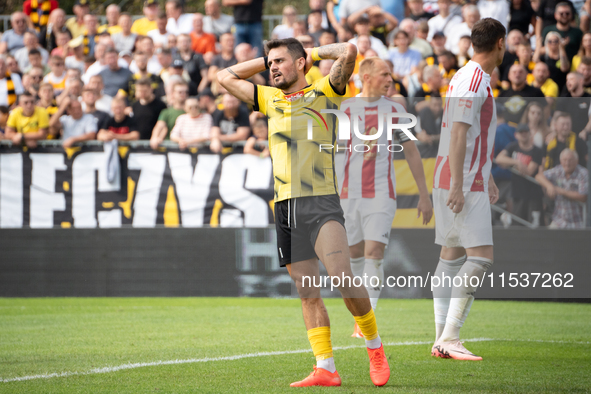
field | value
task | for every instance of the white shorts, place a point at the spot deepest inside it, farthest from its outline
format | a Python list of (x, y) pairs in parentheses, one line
[(368, 219), (468, 229)]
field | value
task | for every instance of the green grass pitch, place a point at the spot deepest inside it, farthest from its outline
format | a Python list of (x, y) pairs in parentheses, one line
[(527, 346)]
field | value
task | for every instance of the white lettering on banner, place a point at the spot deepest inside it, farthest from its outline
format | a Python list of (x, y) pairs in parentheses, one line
[(84, 168), (241, 172), (192, 187), (44, 199), (145, 205), (11, 190)]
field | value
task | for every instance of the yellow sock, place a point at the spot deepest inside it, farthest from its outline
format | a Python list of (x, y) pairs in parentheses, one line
[(319, 338), (367, 324)]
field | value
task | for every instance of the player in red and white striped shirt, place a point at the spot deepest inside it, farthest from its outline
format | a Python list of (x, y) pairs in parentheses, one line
[(463, 187), (367, 192)]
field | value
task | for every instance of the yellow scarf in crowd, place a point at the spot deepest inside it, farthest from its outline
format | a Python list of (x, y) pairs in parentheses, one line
[(45, 8), (10, 89)]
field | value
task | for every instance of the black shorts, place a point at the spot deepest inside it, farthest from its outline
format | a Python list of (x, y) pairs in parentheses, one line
[(298, 222)]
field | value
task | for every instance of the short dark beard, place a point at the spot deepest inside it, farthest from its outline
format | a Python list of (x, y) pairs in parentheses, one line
[(286, 84)]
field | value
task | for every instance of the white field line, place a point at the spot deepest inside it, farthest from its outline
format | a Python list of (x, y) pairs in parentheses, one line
[(248, 355)]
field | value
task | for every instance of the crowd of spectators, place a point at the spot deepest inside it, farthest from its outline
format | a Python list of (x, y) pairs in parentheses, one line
[(154, 78)]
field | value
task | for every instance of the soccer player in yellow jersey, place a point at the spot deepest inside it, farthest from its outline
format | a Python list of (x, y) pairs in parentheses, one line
[(308, 216)]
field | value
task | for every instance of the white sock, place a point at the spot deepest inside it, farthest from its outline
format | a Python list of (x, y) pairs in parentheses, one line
[(442, 295), (374, 343), (463, 297), (374, 268), (357, 266), (327, 363)]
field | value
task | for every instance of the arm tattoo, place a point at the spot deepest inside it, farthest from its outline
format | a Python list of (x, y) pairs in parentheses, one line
[(332, 51), (232, 72)]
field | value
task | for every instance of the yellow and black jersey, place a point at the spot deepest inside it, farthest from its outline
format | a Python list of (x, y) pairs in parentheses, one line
[(302, 167)]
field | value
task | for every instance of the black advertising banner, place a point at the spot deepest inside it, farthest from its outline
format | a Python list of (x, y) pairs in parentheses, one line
[(84, 187)]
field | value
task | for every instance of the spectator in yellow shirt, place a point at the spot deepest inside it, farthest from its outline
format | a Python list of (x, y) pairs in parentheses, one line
[(543, 82), (144, 25), (76, 24), (28, 123), (113, 13)]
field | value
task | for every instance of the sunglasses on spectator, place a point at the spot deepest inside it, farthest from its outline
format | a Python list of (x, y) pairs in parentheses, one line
[(552, 41)]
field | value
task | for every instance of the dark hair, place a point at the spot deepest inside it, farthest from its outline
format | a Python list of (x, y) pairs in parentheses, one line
[(89, 59), (399, 32), (144, 81), (162, 14), (486, 33), (448, 54), (34, 51), (586, 60), (111, 50), (3, 109), (25, 94), (294, 47)]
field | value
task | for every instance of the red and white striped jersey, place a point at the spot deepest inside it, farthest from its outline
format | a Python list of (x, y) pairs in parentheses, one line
[(368, 170), (469, 100)]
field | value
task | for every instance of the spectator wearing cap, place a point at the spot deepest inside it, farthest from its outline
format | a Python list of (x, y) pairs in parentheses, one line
[(113, 12), (27, 123), (178, 22), (568, 184), (417, 11), (519, 94), (146, 108), (48, 33), (14, 39), (564, 16), (207, 101), (193, 62), (214, 21), (362, 27), (230, 124), (202, 42), (176, 69), (523, 156), (193, 127), (74, 127), (39, 11), (225, 58), (144, 25), (248, 22), (564, 138), (22, 55), (416, 43), (159, 35), (125, 41), (445, 21), (10, 84), (114, 77), (76, 60), (167, 118), (76, 25), (141, 62)]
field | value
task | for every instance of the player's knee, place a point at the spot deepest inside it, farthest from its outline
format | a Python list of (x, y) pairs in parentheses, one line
[(478, 264), (450, 264)]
